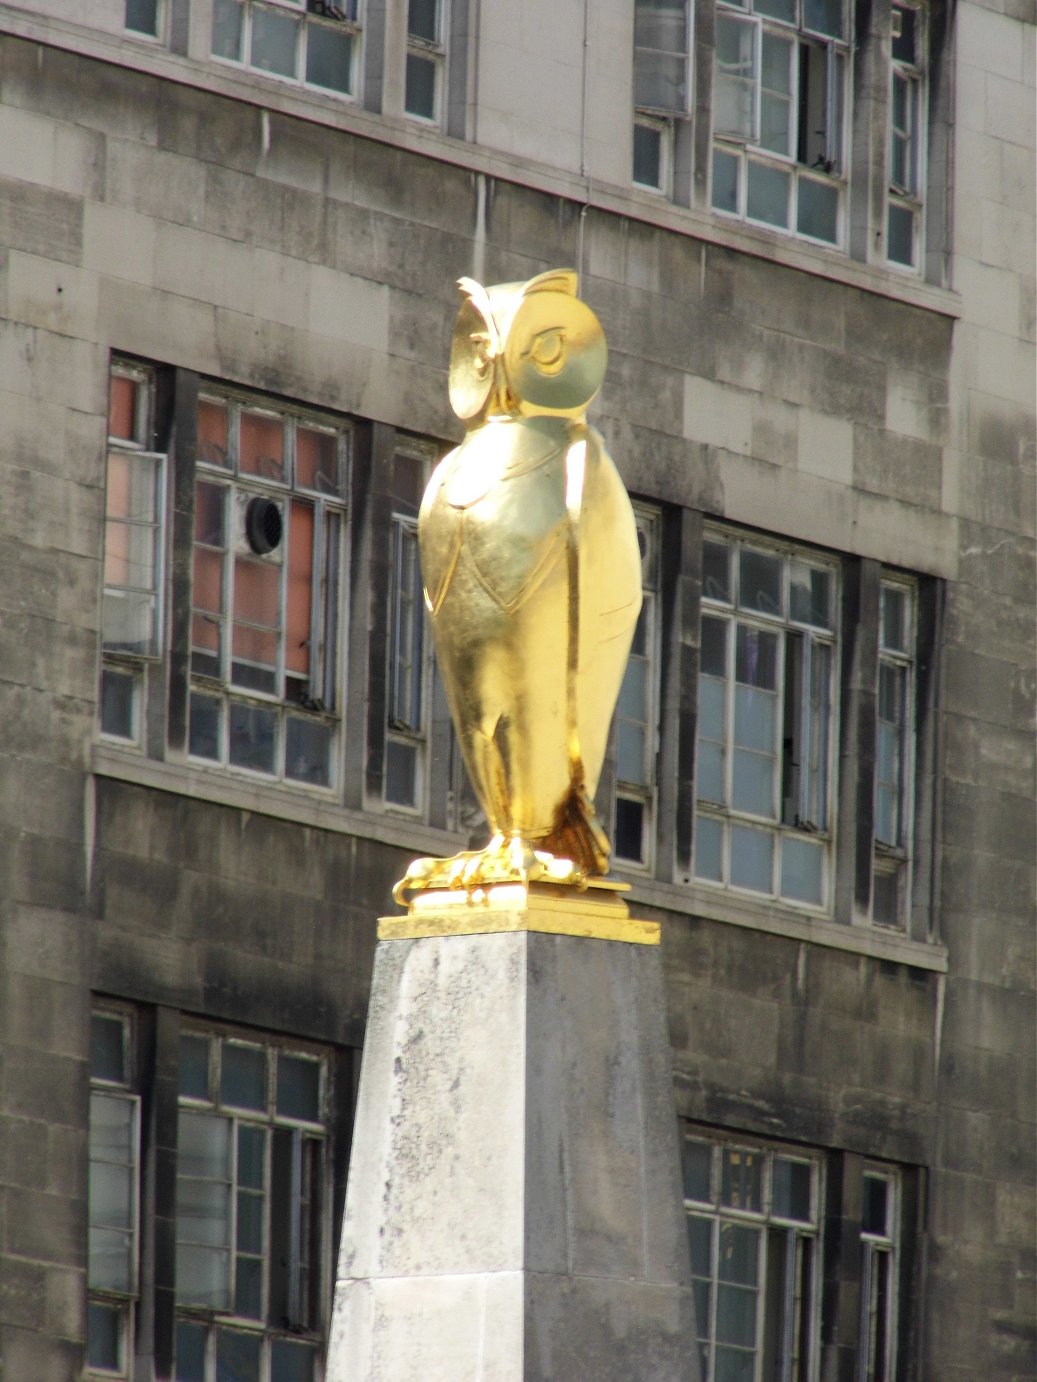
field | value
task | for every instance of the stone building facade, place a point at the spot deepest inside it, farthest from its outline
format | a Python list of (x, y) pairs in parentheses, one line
[(229, 235)]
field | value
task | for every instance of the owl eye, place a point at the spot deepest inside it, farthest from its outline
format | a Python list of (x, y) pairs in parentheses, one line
[(547, 350)]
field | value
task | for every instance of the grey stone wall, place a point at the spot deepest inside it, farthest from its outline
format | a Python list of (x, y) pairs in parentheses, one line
[(817, 400)]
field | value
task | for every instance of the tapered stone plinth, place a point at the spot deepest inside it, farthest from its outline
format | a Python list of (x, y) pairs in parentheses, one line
[(514, 1203)]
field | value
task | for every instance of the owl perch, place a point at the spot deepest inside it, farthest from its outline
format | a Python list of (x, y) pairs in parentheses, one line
[(532, 578)]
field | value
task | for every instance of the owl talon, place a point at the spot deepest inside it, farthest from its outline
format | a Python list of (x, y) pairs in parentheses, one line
[(503, 860)]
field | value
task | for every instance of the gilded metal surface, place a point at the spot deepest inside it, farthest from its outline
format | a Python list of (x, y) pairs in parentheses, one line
[(532, 578), (595, 914)]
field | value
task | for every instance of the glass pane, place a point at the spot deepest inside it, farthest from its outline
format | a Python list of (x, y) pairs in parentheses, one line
[(204, 738), (776, 94), (739, 1257), (777, 9), (698, 1157), (128, 621), (142, 16), (628, 840), (900, 236), (735, 77), (203, 1148), (751, 858), (810, 595), (243, 1076), (209, 521), (423, 19), (741, 1183), (203, 1212), (755, 719), (630, 752), (660, 81), (308, 751), (290, 1361), (710, 772), (420, 98), (647, 156), (251, 1156), (203, 1276), (110, 1265), (253, 737), (759, 582), (298, 1087), (117, 703), (190, 1352), (703, 1293), (401, 773), (824, 17), (885, 897), (756, 658), (262, 437), (632, 693), (226, 29), (791, 1197), (752, 783), (211, 442), (249, 1237), (237, 1356), (875, 1207), (104, 1336), (111, 1196), (709, 848), (700, 1239), (316, 459), (329, 59), (894, 619), (801, 870), (734, 1365), (767, 195), (248, 1284), (818, 214), (112, 1127), (273, 50), (711, 708), (122, 407), (716, 571), (713, 654), (194, 1066), (107, 1048), (736, 1315), (725, 185), (131, 490)]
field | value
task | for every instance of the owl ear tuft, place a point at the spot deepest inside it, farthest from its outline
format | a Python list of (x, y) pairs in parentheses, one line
[(554, 281)]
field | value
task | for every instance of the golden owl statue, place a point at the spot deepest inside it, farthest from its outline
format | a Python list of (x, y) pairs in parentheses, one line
[(532, 578)]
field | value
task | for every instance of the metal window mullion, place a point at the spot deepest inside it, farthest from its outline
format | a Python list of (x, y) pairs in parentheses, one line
[(318, 579), (295, 1228), (233, 1244)]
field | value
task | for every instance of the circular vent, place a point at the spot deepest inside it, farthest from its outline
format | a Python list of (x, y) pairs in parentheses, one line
[(263, 526)]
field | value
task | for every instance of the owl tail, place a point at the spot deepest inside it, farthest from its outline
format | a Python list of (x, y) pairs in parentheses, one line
[(579, 835)]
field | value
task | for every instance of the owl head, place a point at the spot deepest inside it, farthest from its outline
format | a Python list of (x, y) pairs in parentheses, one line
[(525, 348)]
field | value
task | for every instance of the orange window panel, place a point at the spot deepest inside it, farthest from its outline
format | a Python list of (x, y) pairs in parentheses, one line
[(209, 502), (122, 407), (255, 645), (257, 593), (212, 433), (208, 580), (316, 460), (300, 587), (120, 485), (261, 445), (205, 633), (117, 554)]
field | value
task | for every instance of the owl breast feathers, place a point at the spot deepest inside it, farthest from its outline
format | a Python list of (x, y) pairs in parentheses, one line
[(531, 566)]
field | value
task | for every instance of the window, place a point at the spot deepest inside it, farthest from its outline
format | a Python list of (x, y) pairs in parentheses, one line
[(311, 41), (267, 567), (879, 1235), (904, 215), (753, 1229), (133, 553), (765, 720), (661, 86), (893, 757), (113, 1196), (142, 17), (250, 1221), (779, 96), (407, 673), (636, 714), (425, 59)]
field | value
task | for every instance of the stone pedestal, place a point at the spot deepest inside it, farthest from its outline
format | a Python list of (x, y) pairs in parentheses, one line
[(514, 1203)]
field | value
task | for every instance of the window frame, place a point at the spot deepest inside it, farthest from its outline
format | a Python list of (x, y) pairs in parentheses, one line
[(896, 858), (212, 1319), (407, 734), (784, 628), (122, 661), (744, 148), (769, 1224), (320, 691), (345, 20), (433, 51), (898, 196), (661, 120), (122, 1302), (875, 1246)]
